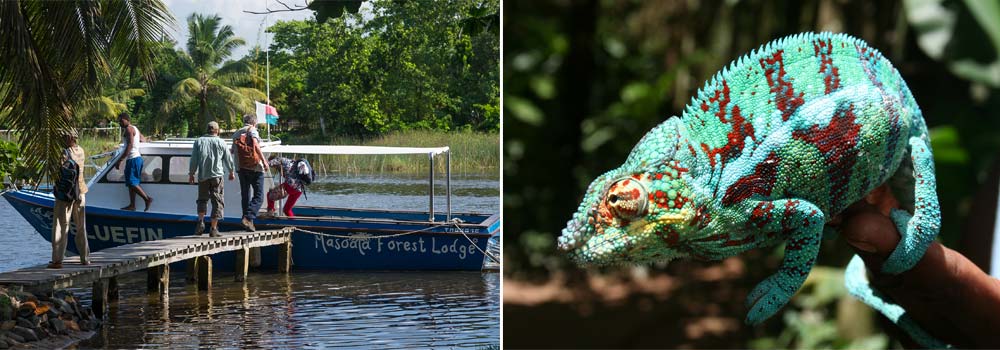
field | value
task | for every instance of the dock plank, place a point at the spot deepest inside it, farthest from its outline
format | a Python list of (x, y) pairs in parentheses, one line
[(137, 256)]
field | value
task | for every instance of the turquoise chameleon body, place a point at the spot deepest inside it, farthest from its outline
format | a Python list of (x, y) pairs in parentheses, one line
[(768, 152)]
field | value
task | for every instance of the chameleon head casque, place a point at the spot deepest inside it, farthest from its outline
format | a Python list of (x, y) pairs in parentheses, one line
[(640, 212), (769, 150)]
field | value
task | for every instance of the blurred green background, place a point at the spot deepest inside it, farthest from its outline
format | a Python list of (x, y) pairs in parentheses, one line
[(585, 79)]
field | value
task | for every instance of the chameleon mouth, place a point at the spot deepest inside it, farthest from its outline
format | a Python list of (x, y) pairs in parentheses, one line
[(570, 238)]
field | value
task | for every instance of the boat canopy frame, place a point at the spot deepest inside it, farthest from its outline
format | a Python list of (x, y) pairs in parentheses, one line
[(379, 150)]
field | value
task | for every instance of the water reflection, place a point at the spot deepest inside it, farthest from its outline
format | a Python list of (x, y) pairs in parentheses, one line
[(310, 309)]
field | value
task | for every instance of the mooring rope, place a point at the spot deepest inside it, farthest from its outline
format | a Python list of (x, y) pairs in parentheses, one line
[(365, 235)]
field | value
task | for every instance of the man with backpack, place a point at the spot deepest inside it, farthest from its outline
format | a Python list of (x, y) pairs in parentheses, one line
[(251, 164), (297, 174), (70, 200)]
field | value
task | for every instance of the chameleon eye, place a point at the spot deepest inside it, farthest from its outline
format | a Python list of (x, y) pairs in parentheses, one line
[(626, 199)]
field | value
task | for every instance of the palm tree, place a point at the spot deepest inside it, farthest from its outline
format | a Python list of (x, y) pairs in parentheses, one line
[(218, 85), (54, 54), (104, 108)]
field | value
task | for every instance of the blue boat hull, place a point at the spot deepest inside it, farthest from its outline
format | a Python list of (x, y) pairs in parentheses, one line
[(365, 239)]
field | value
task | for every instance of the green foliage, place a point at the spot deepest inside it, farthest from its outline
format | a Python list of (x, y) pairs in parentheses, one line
[(218, 87), (9, 161), (410, 66), (55, 54)]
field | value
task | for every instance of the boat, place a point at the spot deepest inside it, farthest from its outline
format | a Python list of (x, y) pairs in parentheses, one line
[(325, 237)]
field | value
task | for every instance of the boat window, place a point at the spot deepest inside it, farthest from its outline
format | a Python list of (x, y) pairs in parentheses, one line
[(179, 169), (152, 170)]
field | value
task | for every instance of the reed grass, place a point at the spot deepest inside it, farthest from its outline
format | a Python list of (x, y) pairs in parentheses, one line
[(471, 153)]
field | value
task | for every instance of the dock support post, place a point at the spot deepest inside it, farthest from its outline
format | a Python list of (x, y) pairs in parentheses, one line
[(99, 296), (113, 288), (255, 257), (242, 264), (285, 257), (191, 270), (158, 279), (204, 272)]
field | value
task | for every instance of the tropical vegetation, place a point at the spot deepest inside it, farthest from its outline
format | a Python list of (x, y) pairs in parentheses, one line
[(217, 85), (358, 73), (55, 55)]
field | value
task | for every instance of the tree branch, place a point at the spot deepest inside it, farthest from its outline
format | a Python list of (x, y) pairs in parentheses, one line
[(268, 10)]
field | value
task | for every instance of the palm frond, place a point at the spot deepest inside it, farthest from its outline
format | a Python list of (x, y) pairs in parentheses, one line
[(184, 91), (134, 28), (54, 54)]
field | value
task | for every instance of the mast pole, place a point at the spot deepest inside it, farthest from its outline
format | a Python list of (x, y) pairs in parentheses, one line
[(267, 73)]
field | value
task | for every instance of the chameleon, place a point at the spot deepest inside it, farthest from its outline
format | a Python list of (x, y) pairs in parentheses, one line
[(768, 152)]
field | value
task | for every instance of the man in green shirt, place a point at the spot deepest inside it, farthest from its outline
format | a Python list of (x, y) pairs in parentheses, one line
[(210, 159)]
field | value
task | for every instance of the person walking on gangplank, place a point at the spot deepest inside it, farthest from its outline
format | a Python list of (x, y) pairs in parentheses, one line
[(252, 165), (210, 159)]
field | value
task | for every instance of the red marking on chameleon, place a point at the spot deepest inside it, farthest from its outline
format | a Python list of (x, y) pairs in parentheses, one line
[(659, 176), (738, 243), (671, 238), (736, 137), (701, 217), (722, 97), (634, 194), (838, 143), (704, 107), (679, 168), (785, 97), (760, 182), (761, 214), (831, 78)]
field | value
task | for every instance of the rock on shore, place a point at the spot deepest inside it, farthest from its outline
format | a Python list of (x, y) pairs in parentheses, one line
[(26, 318)]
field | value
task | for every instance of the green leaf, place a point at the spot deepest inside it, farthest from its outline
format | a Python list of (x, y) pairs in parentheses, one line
[(946, 145), (524, 110)]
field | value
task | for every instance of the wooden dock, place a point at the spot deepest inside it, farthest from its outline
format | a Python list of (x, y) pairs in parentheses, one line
[(155, 256)]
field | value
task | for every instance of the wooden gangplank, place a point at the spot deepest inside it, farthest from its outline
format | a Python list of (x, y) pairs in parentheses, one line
[(107, 264)]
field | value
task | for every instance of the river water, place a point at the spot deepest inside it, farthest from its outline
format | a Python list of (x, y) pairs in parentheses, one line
[(305, 309)]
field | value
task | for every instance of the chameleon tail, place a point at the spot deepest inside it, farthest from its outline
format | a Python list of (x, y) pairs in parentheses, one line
[(856, 282)]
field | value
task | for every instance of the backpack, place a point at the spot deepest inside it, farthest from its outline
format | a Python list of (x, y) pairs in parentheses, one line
[(67, 188), (303, 171), (246, 155)]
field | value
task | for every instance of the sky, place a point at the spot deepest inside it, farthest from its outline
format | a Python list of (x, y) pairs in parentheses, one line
[(245, 25)]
